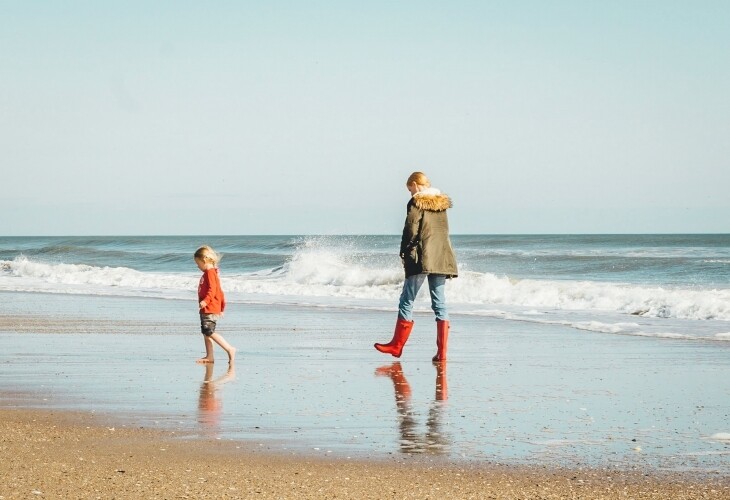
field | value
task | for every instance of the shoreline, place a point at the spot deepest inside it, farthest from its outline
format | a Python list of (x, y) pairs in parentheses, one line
[(51, 453)]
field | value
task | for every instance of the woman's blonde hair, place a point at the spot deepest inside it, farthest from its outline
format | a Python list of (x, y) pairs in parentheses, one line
[(419, 178), (207, 254)]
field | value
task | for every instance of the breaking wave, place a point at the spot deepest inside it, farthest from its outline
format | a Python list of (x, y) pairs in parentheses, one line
[(328, 273)]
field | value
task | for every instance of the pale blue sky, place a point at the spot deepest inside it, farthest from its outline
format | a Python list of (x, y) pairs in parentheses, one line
[(307, 117)]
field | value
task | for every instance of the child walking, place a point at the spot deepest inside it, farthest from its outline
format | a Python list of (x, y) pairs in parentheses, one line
[(212, 303)]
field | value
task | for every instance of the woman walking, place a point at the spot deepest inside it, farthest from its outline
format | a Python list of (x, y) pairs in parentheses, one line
[(427, 254)]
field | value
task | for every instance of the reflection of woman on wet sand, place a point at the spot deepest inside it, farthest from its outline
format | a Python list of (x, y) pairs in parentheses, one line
[(433, 441), (209, 404)]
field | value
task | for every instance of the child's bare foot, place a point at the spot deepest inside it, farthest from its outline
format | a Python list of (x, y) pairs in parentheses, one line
[(205, 361), (231, 355)]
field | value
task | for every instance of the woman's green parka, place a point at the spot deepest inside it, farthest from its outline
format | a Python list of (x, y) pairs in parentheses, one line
[(425, 246)]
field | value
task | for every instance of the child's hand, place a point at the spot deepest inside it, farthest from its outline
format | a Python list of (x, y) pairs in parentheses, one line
[(203, 304)]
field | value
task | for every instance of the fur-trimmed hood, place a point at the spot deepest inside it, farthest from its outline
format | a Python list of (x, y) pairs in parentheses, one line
[(432, 199)]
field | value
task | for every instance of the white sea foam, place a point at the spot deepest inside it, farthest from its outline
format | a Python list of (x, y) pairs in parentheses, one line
[(326, 267), (324, 273), (618, 328), (479, 288), (721, 436), (597, 326), (31, 273)]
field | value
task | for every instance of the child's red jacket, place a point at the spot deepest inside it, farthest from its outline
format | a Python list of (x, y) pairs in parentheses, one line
[(210, 291)]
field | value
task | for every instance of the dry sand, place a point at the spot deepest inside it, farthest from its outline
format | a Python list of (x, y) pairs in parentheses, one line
[(55, 454)]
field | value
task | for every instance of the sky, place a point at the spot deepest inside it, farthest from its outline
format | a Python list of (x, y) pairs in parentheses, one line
[(290, 117)]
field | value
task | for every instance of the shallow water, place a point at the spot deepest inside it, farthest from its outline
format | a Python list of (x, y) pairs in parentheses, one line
[(307, 381)]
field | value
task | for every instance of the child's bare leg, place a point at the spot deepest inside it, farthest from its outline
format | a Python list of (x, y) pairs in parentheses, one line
[(208, 351), (230, 350)]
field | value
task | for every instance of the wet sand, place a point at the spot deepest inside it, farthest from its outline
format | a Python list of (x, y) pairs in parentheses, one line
[(108, 402), (50, 454)]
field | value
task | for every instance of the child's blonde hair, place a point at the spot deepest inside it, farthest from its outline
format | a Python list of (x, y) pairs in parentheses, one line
[(419, 178), (207, 254)]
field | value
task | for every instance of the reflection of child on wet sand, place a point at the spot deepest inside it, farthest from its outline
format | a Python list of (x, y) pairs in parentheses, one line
[(209, 406), (212, 302)]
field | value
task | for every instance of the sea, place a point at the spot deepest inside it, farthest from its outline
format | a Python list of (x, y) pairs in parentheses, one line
[(663, 286)]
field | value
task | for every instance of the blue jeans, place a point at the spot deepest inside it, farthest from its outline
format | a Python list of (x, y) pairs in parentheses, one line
[(436, 285)]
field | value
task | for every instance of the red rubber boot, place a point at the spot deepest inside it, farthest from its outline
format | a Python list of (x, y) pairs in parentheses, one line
[(400, 337), (442, 339)]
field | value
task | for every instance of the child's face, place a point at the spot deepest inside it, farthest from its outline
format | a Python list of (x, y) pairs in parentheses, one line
[(202, 265)]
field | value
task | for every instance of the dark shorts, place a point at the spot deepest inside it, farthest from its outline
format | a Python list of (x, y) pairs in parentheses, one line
[(207, 323)]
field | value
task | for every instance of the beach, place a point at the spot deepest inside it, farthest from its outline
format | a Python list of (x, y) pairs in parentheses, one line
[(49, 454), (312, 411)]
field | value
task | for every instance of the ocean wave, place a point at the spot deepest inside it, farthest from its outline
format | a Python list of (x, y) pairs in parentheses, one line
[(681, 303), (330, 268), (318, 272), (82, 274)]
